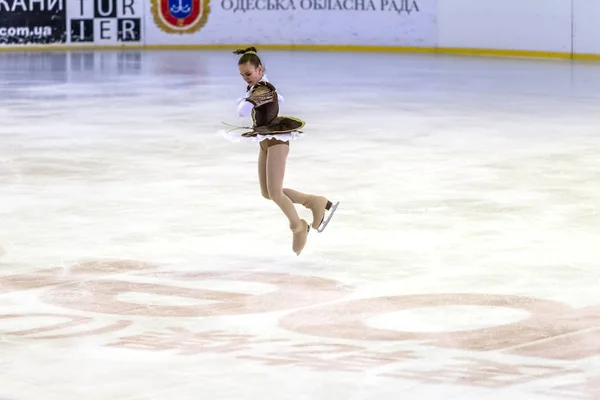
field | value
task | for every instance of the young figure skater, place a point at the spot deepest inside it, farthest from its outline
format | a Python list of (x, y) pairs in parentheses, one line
[(274, 134)]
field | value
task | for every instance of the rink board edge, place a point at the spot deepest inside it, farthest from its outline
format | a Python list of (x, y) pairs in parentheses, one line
[(309, 47)]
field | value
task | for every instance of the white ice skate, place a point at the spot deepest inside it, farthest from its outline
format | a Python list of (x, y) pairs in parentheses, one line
[(325, 222)]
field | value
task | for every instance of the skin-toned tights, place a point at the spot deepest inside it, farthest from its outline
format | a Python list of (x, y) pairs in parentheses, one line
[(272, 159)]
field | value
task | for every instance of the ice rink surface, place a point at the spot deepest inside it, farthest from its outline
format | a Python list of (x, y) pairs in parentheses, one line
[(138, 259)]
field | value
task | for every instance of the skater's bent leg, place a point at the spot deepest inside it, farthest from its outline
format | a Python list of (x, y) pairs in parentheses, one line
[(276, 160), (262, 171), (317, 204), (295, 196)]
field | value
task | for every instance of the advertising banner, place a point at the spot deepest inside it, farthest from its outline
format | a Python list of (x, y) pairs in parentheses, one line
[(218, 22), (106, 22), (32, 22), (319, 22)]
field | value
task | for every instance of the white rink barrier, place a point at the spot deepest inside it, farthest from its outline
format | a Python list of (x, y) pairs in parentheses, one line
[(546, 28)]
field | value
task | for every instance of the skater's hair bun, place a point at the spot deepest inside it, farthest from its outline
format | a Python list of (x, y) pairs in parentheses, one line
[(249, 55), (250, 50)]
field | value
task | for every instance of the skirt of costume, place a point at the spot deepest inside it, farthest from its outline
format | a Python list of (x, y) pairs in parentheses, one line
[(281, 128)]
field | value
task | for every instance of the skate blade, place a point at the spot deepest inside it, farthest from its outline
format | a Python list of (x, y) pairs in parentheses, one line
[(326, 222)]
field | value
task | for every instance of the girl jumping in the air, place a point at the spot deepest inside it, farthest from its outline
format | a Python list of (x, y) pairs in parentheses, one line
[(274, 134)]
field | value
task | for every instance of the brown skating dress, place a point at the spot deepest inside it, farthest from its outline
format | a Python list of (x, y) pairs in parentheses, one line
[(267, 124)]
